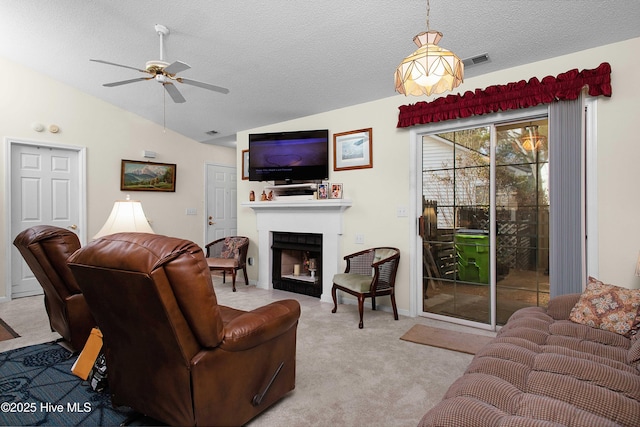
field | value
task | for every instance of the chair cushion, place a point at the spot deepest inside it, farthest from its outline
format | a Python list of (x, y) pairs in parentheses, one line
[(231, 247), (355, 282), (383, 253), (222, 262)]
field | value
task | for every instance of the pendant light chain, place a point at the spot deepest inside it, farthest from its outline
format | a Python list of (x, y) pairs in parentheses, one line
[(428, 10), (164, 110)]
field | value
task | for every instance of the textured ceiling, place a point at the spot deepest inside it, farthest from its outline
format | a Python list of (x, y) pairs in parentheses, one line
[(283, 59)]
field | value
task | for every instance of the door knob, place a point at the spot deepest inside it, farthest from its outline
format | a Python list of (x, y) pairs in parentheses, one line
[(211, 222), (73, 227)]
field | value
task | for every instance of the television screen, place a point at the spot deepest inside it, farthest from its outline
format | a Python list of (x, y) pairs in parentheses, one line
[(289, 156)]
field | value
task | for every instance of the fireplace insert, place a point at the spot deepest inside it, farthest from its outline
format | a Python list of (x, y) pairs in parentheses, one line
[(297, 263)]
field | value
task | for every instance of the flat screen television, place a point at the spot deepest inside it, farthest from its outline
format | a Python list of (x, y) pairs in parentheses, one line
[(289, 157)]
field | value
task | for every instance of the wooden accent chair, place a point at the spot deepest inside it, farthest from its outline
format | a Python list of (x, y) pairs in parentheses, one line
[(45, 249), (173, 353), (369, 274), (229, 254)]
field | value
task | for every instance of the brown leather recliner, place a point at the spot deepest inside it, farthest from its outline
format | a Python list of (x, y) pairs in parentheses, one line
[(172, 352), (45, 249)]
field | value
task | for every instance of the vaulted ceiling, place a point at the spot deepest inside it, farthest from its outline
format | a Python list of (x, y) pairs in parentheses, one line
[(284, 59)]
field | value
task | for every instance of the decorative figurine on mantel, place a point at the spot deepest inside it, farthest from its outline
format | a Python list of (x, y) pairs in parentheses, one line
[(263, 196), (252, 196)]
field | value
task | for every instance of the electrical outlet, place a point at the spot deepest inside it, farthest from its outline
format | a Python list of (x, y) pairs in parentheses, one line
[(360, 239), (401, 211), (250, 260), (192, 211)]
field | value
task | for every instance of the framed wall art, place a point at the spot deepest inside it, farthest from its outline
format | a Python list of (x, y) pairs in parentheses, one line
[(353, 150), (147, 176), (245, 164)]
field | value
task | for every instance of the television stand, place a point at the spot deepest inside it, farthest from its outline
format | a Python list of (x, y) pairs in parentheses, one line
[(293, 191)]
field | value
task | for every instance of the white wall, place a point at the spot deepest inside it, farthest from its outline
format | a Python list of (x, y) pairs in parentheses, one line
[(110, 134), (377, 192)]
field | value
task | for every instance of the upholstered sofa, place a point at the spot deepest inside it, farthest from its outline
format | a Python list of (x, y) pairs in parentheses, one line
[(545, 369)]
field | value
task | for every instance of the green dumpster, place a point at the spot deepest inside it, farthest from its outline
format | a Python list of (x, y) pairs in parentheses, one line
[(472, 253)]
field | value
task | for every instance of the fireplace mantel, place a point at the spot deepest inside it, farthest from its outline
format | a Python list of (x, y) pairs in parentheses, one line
[(300, 216), (306, 205)]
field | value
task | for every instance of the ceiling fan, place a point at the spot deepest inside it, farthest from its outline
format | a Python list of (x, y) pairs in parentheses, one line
[(164, 72)]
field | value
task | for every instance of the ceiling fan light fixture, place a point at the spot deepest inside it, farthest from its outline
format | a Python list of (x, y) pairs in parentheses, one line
[(163, 72), (156, 66), (431, 69)]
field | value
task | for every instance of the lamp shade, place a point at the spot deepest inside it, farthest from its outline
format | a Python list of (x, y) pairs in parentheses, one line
[(430, 69), (126, 216)]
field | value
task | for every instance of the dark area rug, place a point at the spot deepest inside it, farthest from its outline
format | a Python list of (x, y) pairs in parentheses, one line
[(38, 388), (444, 338), (6, 332)]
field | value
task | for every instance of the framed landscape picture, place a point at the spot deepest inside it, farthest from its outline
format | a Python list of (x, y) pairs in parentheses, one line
[(147, 176), (353, 150)]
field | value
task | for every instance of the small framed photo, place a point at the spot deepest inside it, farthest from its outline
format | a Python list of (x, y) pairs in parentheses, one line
[(336, 191), (353, 150), (245, 164), (147, 176), (323, 191)]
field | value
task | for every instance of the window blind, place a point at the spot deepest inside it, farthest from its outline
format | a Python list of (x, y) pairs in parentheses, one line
[(567, 196)]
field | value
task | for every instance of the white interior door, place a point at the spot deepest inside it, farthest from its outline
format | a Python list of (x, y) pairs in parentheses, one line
[(222, 202), (46, 188)]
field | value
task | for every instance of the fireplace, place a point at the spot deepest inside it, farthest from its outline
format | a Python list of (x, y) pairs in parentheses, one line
[(323, 217), (297, 263)]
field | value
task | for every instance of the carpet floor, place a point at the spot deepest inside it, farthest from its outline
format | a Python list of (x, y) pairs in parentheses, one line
[(345, 376), (38, 388), (6, 332), (444, 338)]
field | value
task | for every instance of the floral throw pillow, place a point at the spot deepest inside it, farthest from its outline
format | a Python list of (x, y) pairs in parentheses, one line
[(231, 248), (608, 307)]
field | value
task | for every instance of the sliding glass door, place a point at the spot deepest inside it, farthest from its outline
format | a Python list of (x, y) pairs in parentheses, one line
[(484, 224)]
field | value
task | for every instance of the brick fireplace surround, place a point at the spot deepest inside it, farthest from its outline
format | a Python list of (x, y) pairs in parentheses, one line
[(300, 216)]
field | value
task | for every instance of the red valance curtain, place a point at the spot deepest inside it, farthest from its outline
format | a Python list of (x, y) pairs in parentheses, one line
[(512, 96)]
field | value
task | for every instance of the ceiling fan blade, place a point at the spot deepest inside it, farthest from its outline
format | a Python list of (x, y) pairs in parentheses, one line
[(118, 65), (174, 93), (203, 85), (124, 82), (176, 67)]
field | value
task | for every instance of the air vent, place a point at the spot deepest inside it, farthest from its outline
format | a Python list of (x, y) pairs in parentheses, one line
[(211, 132), (476, 60)]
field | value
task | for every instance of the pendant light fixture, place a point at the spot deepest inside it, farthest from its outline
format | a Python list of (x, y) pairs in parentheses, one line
[(431, 68), (532, 140)]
